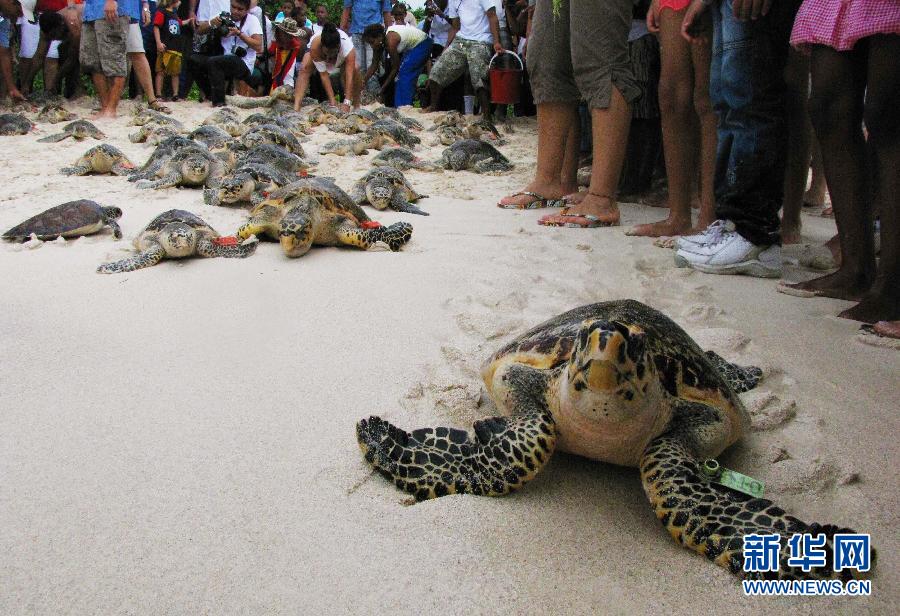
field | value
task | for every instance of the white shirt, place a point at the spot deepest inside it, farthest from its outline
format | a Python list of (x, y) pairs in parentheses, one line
[(230, 43), (410, 36), (270, 34), (346, 48), (440, 30), (316, 30), (207, 9), (473, 22)]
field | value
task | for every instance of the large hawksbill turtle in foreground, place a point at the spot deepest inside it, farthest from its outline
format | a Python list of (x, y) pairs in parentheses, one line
[(617, 382)]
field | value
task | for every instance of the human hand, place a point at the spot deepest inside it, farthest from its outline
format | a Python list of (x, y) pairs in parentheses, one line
[(498, 48), (750, 9), (160, 48), (692, 25), (215, 21), (15, 95), (653, 17), (234, 32), (111, 10), (145, 17), (345, 107)]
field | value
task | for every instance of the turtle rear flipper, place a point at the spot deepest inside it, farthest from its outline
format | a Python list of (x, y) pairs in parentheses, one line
[(395, 235), (209, 248), (54, 138), (400, 204), (741, 378), (146, 258), (165, 182), (709, 518), (503, 454), (122, 168)]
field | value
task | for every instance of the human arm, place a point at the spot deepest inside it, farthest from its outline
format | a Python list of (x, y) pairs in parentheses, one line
[(392, 40), (373, 67), (494, 22), (145, 13), (192, 14), (253, 41), (159, 44), (692, 24), (653, 17), (6, 72), (306, 70), (454, 28), (349, 72), (111, 10), (345, 16)]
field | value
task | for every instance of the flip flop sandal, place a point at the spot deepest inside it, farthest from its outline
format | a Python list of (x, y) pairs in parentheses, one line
[(869, 335), (578, 221), (784, 288), (539, 202), (155, 105)]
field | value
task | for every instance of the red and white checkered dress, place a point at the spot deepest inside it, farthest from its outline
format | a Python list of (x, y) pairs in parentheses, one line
[(840, 23)]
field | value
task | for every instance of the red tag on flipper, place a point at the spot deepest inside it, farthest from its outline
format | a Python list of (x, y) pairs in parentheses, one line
[(369, 224), (228, 240)]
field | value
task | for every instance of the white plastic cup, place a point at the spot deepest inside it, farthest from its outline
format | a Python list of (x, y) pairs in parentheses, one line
[(469, 104)]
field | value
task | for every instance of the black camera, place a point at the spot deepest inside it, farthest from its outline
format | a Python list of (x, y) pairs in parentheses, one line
[(240, 52), (226, 23)]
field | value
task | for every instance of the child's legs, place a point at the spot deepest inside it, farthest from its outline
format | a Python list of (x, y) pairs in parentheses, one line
[(836, 110), (158, 83), (175, 81), (880, 114)]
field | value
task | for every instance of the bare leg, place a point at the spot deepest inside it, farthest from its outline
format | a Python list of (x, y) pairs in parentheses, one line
[(836, 109), (882, 302), (815, 196), (610, 132), (158, 84), (175, 83), (798, 153), (142, 74), (557, 153), (681, 127), (484, 99), (435, 97), (113, 92), (51, 75)]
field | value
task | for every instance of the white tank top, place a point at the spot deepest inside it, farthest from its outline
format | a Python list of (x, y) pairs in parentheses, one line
[(410, 36)]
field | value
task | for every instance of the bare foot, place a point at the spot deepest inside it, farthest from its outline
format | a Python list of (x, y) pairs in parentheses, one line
[(574, 198), (602, 209), (549, 191), (889, 329), (839, 285), (664, 228), (881, 303), (828, 212)]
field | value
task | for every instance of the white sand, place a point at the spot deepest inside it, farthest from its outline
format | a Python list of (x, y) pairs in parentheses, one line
[(181, 439)]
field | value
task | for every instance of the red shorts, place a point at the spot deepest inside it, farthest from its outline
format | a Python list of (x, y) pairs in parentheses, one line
[(675, 5)]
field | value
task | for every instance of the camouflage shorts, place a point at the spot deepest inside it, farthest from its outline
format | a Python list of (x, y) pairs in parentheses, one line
[(460, 54), (103, 47)]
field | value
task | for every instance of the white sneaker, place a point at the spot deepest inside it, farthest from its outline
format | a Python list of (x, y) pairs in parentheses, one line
[(733, 255), (711, 235)]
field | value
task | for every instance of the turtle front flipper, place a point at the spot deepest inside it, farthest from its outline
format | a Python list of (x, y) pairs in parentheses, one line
[(77, 169), (741, 378), (53, 138), (709, 518), (400, 204), (116, 229), (503, 454), (167, 181), (209, 248), (146, 258)]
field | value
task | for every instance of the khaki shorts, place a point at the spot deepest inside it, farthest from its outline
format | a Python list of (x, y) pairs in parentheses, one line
[(103, 47), (169, 62), (463, 53), (581, 53), (135, 41)]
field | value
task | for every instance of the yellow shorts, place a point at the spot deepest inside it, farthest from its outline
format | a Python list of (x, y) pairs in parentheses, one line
[(169, 62)]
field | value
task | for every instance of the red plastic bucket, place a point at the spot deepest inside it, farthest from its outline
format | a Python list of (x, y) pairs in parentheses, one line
[(505, 82)]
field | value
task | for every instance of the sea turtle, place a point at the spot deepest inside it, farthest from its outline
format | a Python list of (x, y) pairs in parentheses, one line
[(176, 234), (394, 131), (386, 187), (146, 115), (476, 155), (386, 112), (295, 122), (448, 135), (70, 219), (78, 130), (153, 133), (166, 149), (618, 382), (14, 124), (101, 159), (283, 93), (54, 113), (188, 167), (408, 122), (322, 114), (275, 156), (211, 136), (249, 182), (342, 147), (272, 133), (315, 211), (227, 119), (255, 119), (449, 118), (482, 128), (348, 125), (401, 158)]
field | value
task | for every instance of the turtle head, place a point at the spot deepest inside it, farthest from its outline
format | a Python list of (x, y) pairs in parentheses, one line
[(609, 370), (296, 233), (379, 192), (238, 187), (195, 169), (178, 239), (112, 213)]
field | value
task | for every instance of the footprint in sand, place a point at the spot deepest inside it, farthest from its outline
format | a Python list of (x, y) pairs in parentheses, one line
[(807, 476), (767, 410)]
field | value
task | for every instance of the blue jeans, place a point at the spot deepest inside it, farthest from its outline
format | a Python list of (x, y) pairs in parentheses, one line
[(411, 64), (747, 89)]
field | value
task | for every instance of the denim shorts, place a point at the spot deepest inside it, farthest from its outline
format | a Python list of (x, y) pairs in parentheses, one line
[(4, 32)]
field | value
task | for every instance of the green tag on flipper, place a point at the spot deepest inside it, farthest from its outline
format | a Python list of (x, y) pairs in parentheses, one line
[(732, 479)]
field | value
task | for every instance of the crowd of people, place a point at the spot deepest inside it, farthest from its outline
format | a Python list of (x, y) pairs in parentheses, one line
[(728, 100)]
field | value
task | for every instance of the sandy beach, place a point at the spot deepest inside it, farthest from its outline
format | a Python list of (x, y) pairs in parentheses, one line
[(180, 439)]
